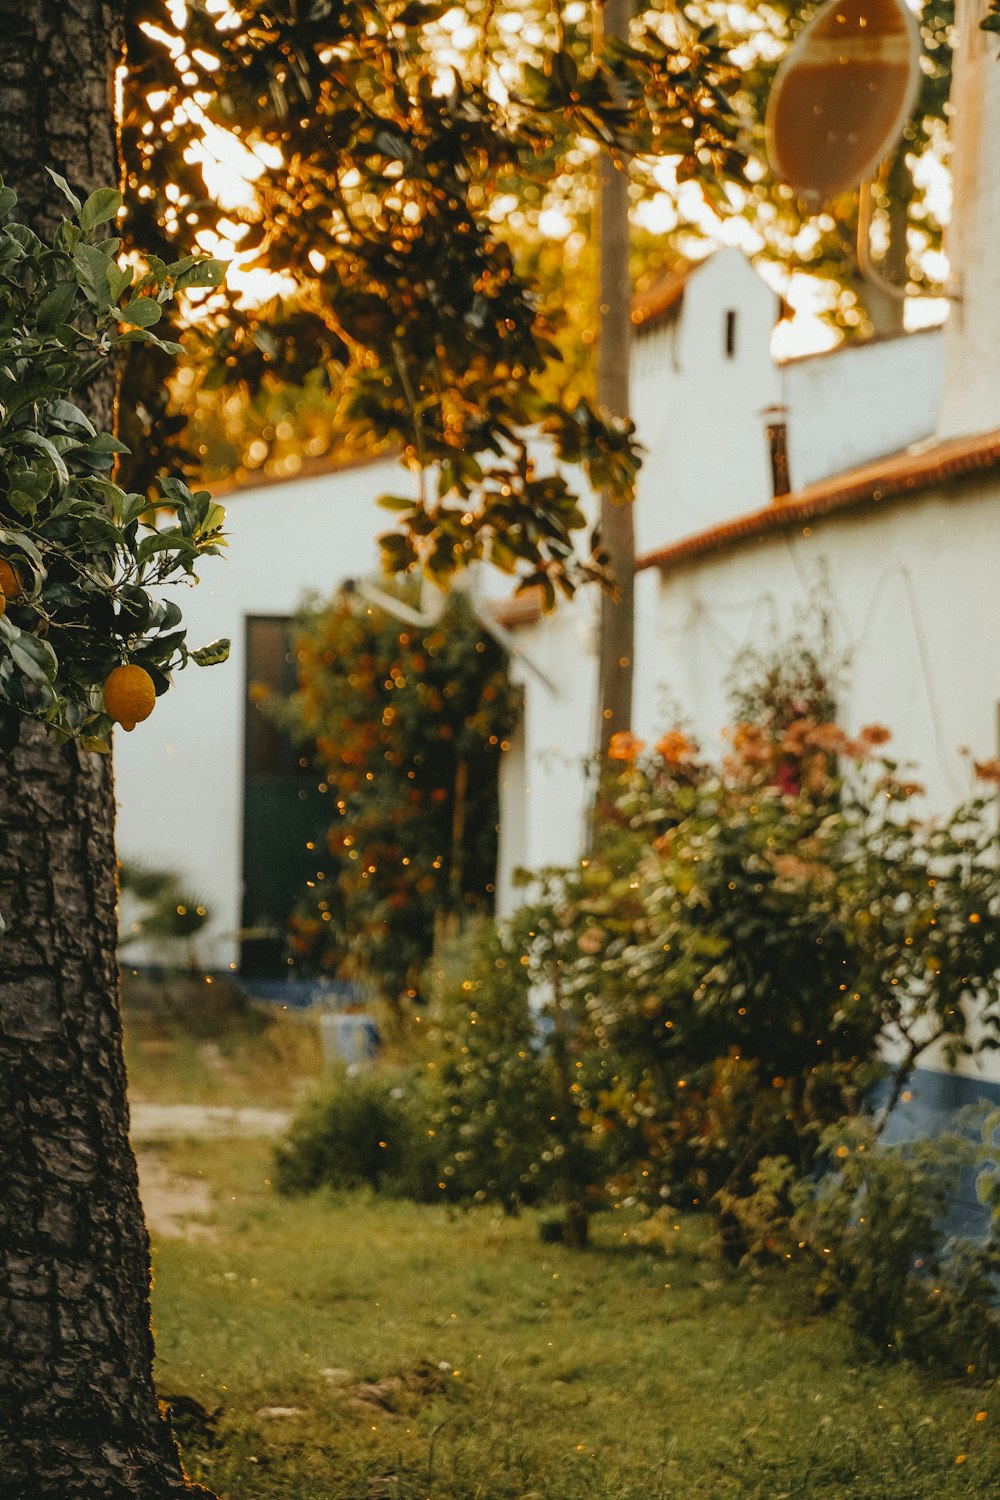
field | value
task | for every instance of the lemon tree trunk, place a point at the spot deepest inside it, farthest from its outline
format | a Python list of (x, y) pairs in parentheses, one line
[(78, 1413)]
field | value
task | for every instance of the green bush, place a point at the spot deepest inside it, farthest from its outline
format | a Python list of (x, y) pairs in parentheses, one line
[(872, 1223), (753, 937), (360, 1130), (488, 1088)]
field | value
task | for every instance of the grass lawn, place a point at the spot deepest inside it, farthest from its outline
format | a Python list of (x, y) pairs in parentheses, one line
[(208, 1051), (368, 1350)]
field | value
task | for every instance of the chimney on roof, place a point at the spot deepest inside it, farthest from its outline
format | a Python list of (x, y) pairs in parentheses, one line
[(971, 398), (776, 430)]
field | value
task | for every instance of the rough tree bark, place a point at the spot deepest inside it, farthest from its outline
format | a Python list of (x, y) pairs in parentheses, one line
[(617, 629), (79, 1418)]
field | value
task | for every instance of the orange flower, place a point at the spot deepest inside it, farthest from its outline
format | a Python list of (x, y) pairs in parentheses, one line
[(987, 770), (875, 734), (827, 737), (625, 746), (675, 747)]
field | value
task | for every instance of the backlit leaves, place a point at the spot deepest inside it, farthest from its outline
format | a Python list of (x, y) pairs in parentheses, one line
[(89, 570)]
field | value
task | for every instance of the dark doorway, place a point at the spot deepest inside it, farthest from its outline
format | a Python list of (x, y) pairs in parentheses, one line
[(283, 811)]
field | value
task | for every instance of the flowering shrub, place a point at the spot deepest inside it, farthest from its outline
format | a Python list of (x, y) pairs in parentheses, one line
[(754, 938), (405, 725)]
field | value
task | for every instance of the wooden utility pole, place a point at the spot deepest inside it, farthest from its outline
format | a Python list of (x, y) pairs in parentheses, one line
[(617, 628)]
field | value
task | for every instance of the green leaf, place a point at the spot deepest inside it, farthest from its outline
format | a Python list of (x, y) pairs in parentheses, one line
[(92, 273), (212, 654), (57, 305), (34, 657), (102, 448), (141, 312), (143, 336), (65, 189), (44, 445), (8, 198), (70, 415), (23, 543), (101, 206), (119, 279), (210, 273)]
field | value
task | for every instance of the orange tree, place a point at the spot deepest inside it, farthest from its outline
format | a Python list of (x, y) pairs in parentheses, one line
[(407, 726)]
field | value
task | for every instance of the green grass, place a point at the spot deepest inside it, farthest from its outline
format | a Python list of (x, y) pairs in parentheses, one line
[(529, 1372), (194, 1048)]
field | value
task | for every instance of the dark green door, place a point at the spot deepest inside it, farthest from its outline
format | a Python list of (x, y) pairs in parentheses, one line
[(283, 812)]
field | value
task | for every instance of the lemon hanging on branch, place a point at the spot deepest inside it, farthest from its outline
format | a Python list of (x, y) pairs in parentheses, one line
[(129, 695), (91, 637)]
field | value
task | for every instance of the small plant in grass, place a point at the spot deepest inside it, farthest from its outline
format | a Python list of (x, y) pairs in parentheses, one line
[(360, 1130), (488, 1081)]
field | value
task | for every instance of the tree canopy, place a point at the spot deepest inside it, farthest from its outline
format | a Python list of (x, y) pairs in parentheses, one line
[(378, 166)]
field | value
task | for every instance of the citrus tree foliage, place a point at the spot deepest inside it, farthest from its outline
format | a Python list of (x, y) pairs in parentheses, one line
[(82, 572), (408, 296), (407, 726)]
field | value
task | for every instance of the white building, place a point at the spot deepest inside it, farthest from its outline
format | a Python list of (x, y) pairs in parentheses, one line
[(206, 788), (877, 481), (873, 468)]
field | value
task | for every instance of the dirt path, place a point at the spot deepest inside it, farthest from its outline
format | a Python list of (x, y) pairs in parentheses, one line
[(170, 1122), (178, 1205)]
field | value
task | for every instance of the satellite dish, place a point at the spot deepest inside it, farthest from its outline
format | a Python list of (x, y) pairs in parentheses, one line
[(842, 96)]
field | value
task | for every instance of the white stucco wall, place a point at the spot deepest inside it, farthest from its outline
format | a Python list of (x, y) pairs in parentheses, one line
[(912, 597), (179, 776), (699, 411), (860, 403), (543, 780)]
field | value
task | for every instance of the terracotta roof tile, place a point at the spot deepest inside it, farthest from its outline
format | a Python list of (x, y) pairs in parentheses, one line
[(519, 609), (660, 301), (887, 479)]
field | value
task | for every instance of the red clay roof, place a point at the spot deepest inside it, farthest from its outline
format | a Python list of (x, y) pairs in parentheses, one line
[(242, 480), (660, 301), (887, 479)]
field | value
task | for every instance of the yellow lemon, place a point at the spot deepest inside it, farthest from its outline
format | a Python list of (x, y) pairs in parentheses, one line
[(129, 695)]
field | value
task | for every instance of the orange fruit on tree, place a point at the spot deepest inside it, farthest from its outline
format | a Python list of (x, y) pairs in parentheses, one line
[(129, 695), (10, 583)]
